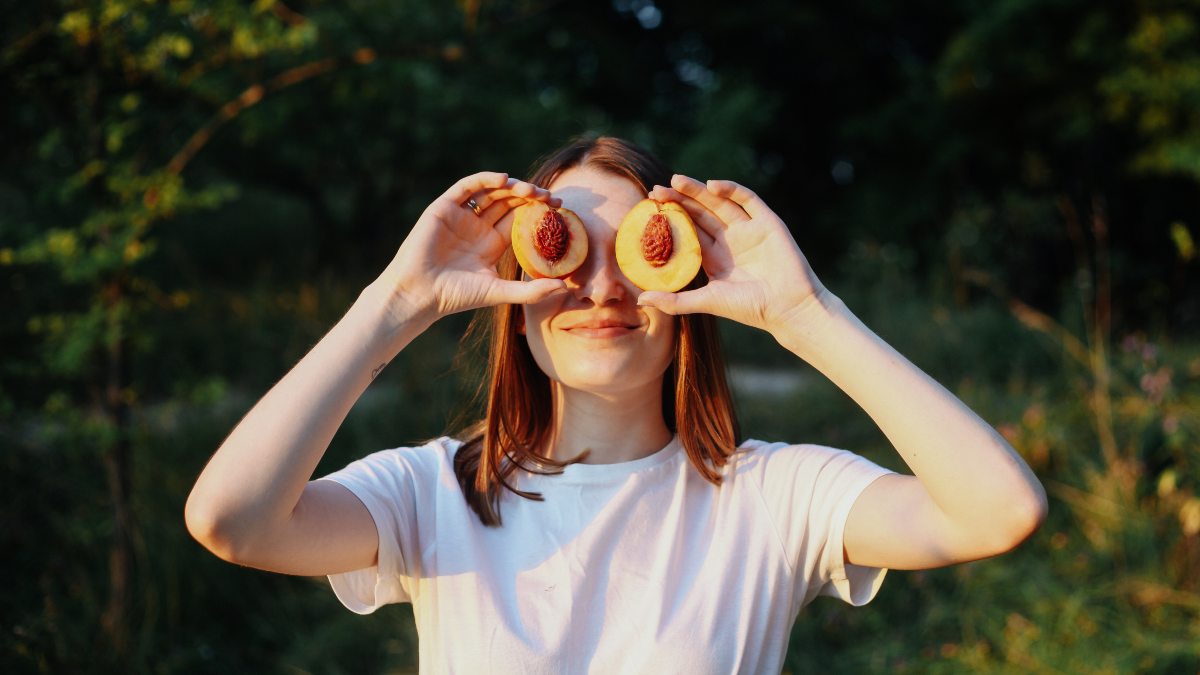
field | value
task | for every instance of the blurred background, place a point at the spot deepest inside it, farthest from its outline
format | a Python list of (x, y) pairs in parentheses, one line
[(192, 193)]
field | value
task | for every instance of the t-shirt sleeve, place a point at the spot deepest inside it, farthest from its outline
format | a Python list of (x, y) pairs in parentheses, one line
[(809, 490), (389, 483)]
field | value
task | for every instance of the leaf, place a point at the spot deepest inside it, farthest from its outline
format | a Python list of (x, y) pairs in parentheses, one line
[(1182, 239)]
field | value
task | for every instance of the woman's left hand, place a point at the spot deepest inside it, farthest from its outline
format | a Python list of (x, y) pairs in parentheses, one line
[(757, 274)]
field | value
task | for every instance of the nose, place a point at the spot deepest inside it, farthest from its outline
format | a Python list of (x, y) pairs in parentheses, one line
[(601, 280)]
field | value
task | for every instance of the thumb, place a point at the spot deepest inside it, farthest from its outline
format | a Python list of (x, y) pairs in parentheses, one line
[(525, 292), (687, 302)]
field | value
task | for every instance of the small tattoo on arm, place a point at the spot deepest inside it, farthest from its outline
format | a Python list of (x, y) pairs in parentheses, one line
[(378, 369)]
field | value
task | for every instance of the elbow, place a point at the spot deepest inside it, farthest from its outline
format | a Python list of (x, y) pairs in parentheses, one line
[(1033, 515), (210, 530), (1036, 508), (1025, 516)]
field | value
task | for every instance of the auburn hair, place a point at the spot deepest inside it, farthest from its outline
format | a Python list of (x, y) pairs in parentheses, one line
[(697, 404)]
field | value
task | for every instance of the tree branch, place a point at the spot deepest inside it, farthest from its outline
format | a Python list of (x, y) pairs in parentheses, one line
[(253, 94)]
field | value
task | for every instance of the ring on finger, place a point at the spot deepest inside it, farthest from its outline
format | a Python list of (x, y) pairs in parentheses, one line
[(474, 206)]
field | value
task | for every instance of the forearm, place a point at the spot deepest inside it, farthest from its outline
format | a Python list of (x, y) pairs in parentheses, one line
[(256, 477), (971, 473)]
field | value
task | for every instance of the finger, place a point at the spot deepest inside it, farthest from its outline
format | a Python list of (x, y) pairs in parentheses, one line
[(687, 302), (728, 211), (710, 226), (744, 196), (525, 292), (706, 240), (465, 187), (528, 191), (492, 215)]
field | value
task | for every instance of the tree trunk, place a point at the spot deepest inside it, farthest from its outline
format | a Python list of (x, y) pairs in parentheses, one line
[(115, 622)]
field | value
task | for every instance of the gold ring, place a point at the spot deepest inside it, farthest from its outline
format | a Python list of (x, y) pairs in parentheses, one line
[(474, 206)]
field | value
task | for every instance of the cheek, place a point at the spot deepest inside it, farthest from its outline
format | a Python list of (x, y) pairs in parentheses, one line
[(663, 324), (671, 334), (663, 336), (535, 318)]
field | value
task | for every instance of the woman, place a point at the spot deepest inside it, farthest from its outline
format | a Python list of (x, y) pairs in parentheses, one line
[(603, 517)]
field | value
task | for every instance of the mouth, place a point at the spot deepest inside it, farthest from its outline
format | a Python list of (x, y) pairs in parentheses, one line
[(603, 332)]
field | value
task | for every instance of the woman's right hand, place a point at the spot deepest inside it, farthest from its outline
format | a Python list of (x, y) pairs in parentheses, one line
[(447, 263)]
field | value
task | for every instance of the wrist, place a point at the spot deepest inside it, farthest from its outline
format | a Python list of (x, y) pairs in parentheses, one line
[(391, 318), (801, 328)]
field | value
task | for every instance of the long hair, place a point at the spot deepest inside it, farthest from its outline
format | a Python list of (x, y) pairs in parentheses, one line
[(696, 401)]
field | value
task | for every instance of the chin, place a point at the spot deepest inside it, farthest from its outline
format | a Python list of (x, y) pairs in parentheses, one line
[(602, 366), (607, 378), (602, 387)]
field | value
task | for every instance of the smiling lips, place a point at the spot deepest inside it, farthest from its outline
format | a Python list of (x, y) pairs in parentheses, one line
[(603, 328)]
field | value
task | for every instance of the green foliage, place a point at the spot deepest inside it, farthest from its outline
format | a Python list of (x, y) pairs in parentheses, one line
[(192, 192), (1156, 89)]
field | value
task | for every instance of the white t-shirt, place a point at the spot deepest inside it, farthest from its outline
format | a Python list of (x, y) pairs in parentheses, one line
[(634, 567)]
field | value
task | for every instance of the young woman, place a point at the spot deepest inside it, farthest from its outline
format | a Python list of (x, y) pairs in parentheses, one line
[(604, 516)]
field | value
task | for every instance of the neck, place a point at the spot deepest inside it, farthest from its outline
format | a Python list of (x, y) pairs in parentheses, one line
[(612, 427)]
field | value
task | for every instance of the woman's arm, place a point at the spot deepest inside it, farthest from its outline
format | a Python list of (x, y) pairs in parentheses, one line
[(972, 495), (253, 504), (242, 504)]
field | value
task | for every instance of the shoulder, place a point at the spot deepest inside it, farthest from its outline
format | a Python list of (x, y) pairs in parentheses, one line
[(804, 466), (442, 447), (754, 454), (425, 460)]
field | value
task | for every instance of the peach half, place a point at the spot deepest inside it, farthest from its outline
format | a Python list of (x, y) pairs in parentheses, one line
[(549, 243), (657, 246)]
